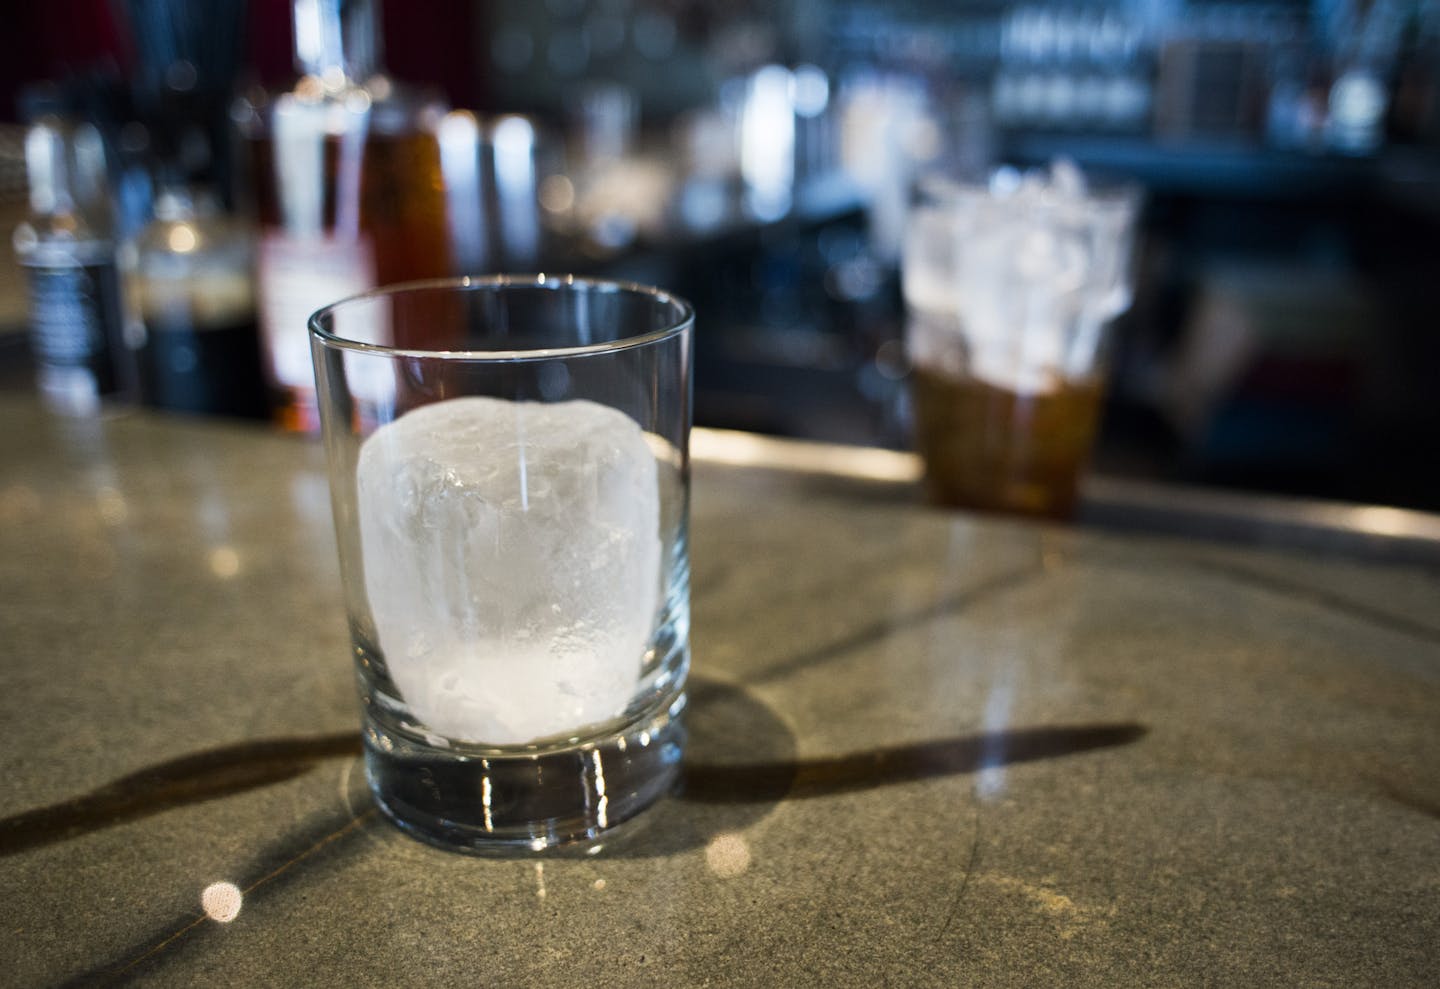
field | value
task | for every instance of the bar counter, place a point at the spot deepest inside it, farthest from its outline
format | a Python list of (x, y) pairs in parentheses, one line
[(926, 749)]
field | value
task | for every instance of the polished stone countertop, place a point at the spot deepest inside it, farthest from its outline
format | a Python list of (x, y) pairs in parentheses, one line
[(927, 749)]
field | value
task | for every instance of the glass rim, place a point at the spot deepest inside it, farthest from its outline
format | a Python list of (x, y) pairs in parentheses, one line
[(1102, 193), (684, 319)]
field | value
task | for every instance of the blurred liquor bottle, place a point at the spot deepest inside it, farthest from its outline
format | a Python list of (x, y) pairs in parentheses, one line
[(67, 249), (348, 189), (191, 286)]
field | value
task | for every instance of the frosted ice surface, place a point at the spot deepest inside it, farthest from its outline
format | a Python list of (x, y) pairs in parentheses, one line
[(512, 562), (1067, 180), (1002, 281)]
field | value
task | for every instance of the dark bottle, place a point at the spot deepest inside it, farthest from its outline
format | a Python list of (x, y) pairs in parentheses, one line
[(66, 247), (191, 287)]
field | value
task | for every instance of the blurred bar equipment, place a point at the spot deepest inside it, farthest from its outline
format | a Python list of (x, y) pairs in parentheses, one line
[(513, 149), (767, 142), (67, 249), (1009, 289), (1260, 126), (191, 286), (467, 172), (189, 271), (349, 188)]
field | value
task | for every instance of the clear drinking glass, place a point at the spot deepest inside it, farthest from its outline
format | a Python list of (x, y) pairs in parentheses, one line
[(1010, 289), (509, 472)]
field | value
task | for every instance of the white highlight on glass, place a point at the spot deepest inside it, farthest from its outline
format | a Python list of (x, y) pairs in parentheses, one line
[(557, 194), (767, 142), (182, 239), (601, 808), (513, 140), (810, 90), (459, 139)]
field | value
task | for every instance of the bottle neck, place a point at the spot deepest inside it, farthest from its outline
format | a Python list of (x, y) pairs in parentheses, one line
[(65, 167), (337, 41), (45, 171)]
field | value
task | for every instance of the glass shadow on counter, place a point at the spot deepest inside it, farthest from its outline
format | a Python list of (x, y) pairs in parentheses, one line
[(718, 713)]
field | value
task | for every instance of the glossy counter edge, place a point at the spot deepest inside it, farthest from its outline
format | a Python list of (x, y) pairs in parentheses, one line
[(1374, 532)]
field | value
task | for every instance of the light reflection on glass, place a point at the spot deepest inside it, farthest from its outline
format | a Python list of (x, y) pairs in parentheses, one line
[(767, 142), (299, 162), (182, 239), (601, 813), (727, 855), (310, 27), (308, 88), (459, 139), (221, 901), (810, 90), (513, 140), (557, 194)]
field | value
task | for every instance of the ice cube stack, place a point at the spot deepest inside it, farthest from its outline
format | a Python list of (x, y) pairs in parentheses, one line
[(512, 563), (1014, 281)]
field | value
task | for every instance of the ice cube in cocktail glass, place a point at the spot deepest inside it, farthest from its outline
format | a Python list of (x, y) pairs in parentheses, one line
[(509, 474)]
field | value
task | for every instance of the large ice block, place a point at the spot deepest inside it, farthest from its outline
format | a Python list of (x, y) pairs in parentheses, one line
[(512, 563)]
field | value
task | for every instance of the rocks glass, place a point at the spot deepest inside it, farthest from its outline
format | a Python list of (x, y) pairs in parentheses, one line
[(510, 479), (1009, 289)]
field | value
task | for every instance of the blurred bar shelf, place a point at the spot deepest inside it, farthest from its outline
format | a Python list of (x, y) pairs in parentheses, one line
[(1235, 168), (1377, 533)]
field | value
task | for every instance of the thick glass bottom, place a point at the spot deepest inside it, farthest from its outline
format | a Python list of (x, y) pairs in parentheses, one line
[(517, 802)]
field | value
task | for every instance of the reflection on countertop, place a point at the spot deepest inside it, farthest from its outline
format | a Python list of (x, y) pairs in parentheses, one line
[(928, 747)]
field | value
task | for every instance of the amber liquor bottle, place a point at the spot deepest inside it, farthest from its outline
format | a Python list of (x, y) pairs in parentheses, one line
[(348, 189)]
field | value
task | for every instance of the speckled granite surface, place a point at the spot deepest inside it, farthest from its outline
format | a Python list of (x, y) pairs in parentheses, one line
[(926, 750)]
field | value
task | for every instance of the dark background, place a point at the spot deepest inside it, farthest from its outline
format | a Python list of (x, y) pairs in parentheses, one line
[(1284, 333)]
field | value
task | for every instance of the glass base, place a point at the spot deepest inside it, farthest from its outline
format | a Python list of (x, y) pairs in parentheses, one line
[(511, 803)]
